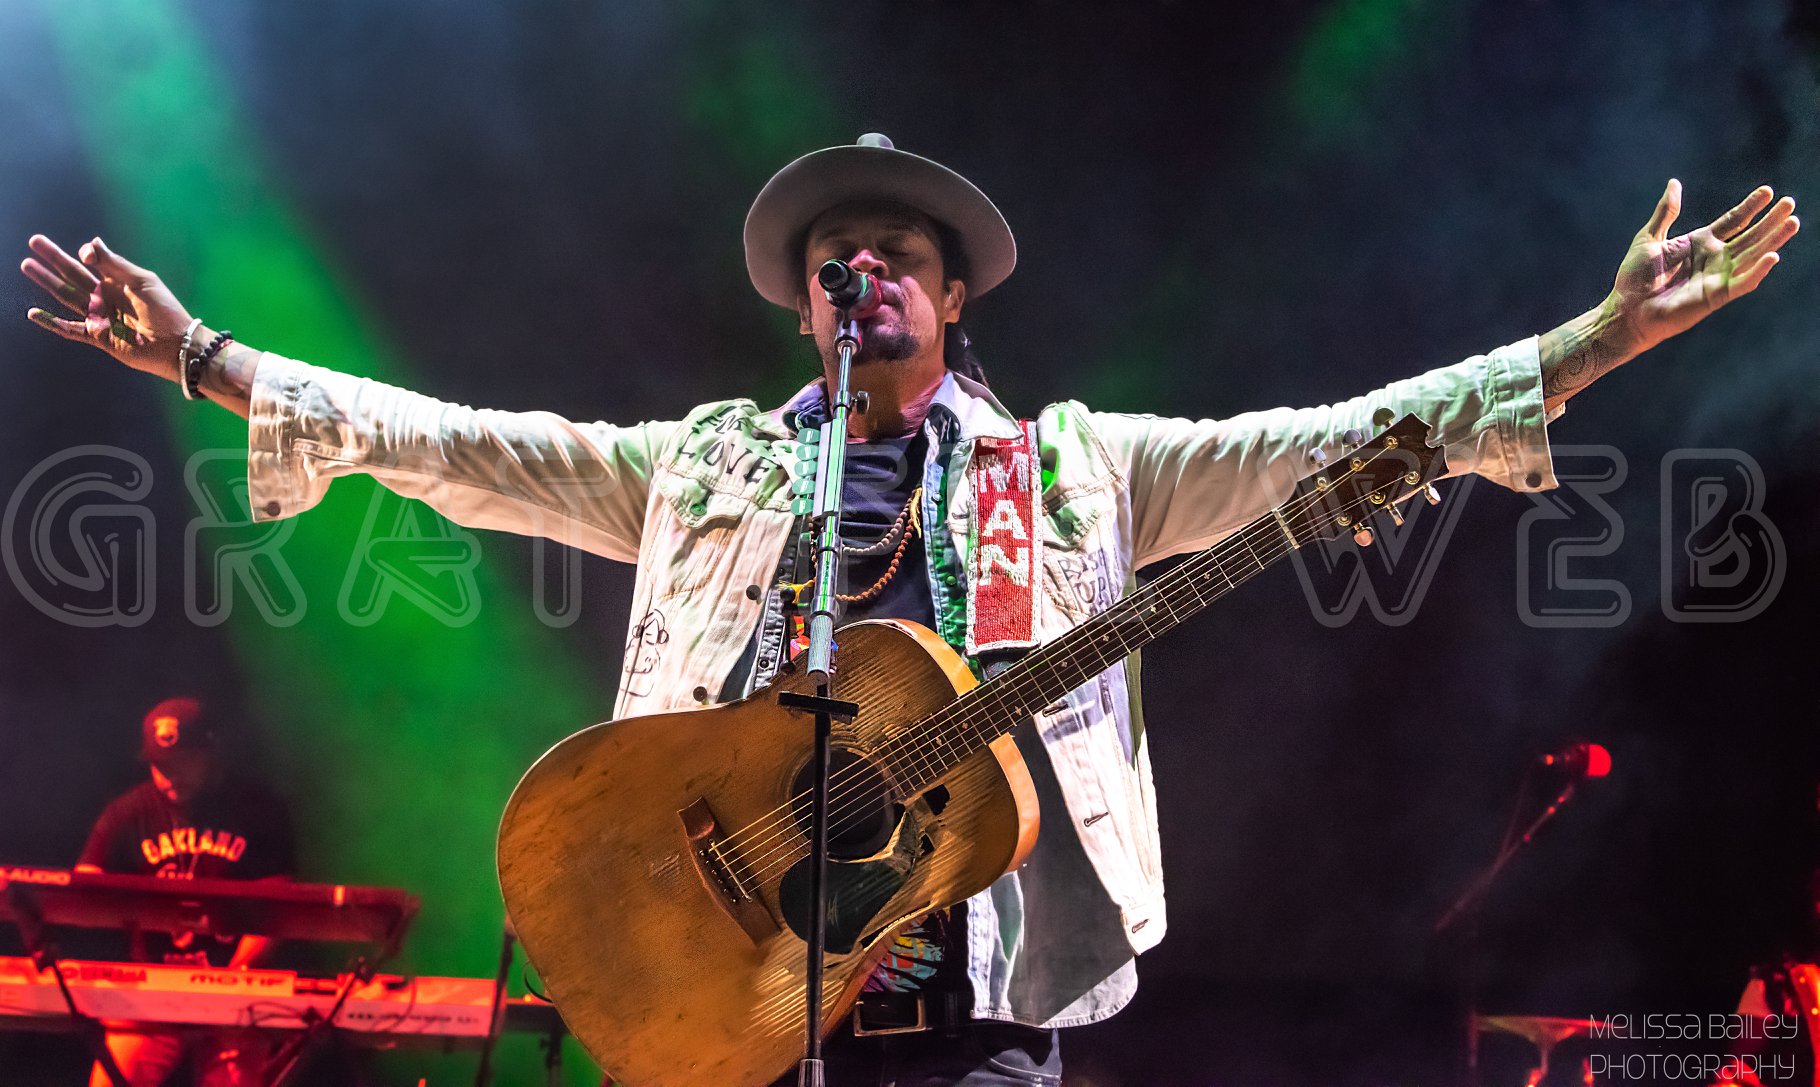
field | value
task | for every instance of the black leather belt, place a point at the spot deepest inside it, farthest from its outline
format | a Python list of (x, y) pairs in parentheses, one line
[(910, 1013)]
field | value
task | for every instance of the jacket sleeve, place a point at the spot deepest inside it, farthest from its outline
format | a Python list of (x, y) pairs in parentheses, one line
[(1194, 482), (533, 473)]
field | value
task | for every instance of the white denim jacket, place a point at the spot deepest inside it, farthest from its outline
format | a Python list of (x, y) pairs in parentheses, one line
[(701, 505)]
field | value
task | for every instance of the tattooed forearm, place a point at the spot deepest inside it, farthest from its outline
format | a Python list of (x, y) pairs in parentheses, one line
[(1574, 364), (1577, 353), (228, 381)]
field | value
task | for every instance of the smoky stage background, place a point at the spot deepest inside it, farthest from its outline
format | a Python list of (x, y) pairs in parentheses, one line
[(1219, 207)]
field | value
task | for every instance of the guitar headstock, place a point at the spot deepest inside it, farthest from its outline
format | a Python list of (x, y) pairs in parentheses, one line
[(1377, 476)]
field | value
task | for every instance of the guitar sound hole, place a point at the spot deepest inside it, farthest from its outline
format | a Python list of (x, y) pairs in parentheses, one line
[(863, 812)]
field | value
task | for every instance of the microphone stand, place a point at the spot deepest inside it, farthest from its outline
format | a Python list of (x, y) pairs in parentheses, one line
[(28, 917), (819, 657), (1467, 906)]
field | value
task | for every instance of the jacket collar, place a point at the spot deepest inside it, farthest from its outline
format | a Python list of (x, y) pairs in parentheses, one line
[(961, 403)]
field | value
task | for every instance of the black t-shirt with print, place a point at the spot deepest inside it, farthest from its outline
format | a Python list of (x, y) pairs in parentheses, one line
[(880, 478), (232, 831)]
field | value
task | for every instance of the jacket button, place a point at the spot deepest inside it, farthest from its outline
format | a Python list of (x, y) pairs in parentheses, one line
[(273, 509), (753, 592), (701, 694), (1533, 479), (699, 508)]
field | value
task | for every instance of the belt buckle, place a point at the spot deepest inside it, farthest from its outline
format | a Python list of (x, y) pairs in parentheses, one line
[(860, 1030)]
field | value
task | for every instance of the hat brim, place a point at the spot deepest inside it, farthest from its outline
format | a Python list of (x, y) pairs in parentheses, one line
[(826, 179)]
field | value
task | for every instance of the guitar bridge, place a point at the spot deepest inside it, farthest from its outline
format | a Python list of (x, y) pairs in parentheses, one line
[(724, 873)]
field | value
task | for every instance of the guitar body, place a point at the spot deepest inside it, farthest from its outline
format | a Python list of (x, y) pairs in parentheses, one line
[(653, 866)]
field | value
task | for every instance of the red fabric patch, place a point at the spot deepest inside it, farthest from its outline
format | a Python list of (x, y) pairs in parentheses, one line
[(1005, 560)]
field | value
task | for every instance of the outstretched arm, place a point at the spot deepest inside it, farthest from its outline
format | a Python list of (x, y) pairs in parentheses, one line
[(584, 484), (1667, 285), (1193, 481), (128, 312)]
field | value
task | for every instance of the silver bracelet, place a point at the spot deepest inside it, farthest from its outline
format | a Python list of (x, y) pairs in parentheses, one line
[(183, 362)]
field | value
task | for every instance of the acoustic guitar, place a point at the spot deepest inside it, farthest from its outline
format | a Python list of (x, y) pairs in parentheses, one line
[(656, 870)]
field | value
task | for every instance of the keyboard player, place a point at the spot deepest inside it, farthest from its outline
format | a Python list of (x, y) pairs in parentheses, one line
[(191, 819)]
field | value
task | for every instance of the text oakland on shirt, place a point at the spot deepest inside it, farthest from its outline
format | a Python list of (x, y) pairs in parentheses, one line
[(184, 842)]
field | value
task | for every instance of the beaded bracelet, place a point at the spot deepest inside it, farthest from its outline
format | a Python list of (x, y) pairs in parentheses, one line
[(183, 360), (192, 374)]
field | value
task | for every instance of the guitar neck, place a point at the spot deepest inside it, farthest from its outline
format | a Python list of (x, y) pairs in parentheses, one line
[(1373, 478), (1042, 676)]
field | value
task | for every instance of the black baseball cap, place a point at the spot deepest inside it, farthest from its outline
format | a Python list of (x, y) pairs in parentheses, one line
[(176, 724)]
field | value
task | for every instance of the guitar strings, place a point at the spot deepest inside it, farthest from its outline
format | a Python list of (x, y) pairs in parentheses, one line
[(1152, 606), (929, 760), (770, 860)]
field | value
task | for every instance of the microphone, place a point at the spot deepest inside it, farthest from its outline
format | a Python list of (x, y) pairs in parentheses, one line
[(1581, 759), (849, 289)]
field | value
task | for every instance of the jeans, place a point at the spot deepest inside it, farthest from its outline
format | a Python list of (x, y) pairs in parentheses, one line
[(221, 1057), (984, 1054)]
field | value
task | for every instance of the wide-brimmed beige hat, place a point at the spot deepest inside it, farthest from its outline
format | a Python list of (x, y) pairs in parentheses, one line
[(870, 169)]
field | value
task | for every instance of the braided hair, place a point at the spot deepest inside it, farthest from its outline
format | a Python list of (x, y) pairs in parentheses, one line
[(957, 354), (957, 347)]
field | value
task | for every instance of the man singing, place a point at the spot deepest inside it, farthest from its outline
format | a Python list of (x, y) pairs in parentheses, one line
[(702, 505)]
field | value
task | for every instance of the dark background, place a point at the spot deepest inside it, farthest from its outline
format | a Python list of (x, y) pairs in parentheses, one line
[(1218, 208)]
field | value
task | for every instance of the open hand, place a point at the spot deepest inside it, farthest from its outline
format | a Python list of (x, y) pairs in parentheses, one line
[(120, 307), (1667, 285)]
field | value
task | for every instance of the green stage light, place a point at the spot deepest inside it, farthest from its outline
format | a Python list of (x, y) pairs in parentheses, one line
[(402, 727)]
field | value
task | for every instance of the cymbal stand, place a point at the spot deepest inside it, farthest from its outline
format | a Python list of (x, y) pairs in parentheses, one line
[(1466, 907)]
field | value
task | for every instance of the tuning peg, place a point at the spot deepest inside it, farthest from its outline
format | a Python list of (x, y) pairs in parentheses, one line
[(1433, 496), (1318, 456), (1383, 417), (1362, 536), (1396, 515), (1353, 438)]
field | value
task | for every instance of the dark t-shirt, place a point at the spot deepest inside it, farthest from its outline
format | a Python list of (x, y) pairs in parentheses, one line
[(233, 831), (880, 478)]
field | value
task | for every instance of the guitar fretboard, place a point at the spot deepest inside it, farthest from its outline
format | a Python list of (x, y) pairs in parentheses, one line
[(926, 751)]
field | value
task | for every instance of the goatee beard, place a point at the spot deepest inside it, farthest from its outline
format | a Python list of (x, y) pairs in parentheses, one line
[(893, 345)]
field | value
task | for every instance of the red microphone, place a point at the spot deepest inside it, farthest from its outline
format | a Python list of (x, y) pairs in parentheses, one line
[(1581, 759)]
